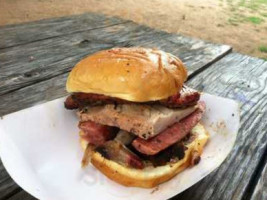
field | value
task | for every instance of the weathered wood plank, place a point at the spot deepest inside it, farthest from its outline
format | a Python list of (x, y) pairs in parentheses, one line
[(13, 35), (34, 62), (33, 94), (22, 195), (260, 191), (244, 79), (30, 63), (7, 185)]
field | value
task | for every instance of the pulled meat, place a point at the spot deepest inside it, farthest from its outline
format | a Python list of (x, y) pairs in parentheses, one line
[(170, 135), (114, 150), (186, 97), (100, 137)]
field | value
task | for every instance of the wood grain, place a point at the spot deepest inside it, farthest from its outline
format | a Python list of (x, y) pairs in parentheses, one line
[(260, 192), (27, 64), (33, 95), (13, 35), (7, 185), (21, 195), (244, 79)]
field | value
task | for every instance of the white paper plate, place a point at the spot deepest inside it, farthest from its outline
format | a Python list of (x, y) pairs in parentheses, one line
[(39, 148)]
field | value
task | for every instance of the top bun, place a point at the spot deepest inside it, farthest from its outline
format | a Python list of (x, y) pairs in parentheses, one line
[(133, 74)]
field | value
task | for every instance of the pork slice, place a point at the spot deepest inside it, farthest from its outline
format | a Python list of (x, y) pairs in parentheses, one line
[(171, 135), (145, 121)]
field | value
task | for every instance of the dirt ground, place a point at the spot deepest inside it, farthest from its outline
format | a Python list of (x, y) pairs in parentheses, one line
[(239, 23)]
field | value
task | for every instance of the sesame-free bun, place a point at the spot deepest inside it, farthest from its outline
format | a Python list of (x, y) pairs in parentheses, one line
[(133, 74), (151, 176)]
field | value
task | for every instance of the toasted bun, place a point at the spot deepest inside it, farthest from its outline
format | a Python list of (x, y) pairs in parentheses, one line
[(133, 74), (150, 176)]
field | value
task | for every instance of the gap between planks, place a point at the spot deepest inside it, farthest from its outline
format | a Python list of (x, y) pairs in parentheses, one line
[(256, 178)]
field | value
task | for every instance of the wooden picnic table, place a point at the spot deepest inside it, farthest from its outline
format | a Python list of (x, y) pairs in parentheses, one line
[(35, 59)]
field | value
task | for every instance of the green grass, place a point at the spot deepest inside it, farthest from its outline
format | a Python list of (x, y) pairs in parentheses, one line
[(246, 11), (263, 48), (261, 1), (239, 18), (242, 3), (254, 5), (255, 20)]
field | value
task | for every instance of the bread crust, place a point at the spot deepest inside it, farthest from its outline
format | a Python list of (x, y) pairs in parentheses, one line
[(133, 74), (152, 176)]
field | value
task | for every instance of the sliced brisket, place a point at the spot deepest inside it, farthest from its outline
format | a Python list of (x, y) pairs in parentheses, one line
[(170, 135)]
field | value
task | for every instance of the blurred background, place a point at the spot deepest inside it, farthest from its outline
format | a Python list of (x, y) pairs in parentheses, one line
[(239, 23)]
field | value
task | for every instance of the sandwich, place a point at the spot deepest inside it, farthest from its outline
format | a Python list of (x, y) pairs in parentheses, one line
[(140, 125)]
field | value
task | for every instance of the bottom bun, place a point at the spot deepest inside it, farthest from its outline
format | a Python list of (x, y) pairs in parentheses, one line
[(152, 176)]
